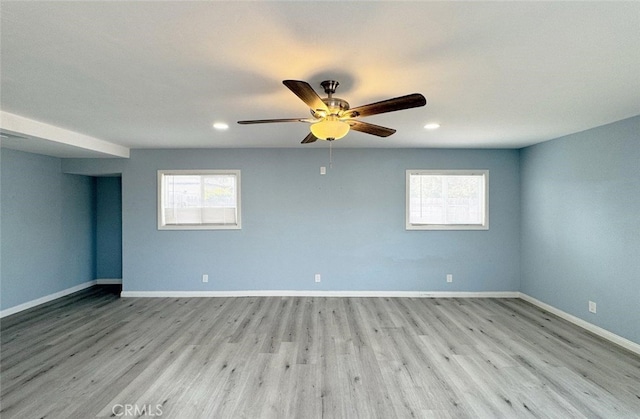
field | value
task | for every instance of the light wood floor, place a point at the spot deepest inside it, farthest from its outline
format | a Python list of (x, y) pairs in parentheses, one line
[(85, 355)]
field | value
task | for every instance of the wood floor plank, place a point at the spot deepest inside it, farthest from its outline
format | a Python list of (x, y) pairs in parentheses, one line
[(234, 371), (339, 326), (89, 353), (276, 327), (332, 399), (307, 333), (280, 382)]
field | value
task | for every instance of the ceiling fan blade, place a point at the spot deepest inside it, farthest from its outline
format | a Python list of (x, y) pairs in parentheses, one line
[(309, 139), (269, 121), (304, 91), (413, 100), (368, 128)]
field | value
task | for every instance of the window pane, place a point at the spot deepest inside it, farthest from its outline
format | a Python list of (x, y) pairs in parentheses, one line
[(219, 191), (464, 200), (207, 199), (441, 199)]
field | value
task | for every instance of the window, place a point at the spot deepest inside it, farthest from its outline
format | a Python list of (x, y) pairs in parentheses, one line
[(198, 199), (447, 200)]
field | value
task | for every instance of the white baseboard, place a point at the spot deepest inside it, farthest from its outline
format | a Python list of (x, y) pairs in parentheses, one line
[(309, 293), (45, 299), (597, 330), (109, 281), (470, 294)]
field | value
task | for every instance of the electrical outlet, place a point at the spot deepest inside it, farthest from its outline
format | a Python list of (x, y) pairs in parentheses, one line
[(318, 278), (449, 277), (205, 278), (592, 307), (323, 170)]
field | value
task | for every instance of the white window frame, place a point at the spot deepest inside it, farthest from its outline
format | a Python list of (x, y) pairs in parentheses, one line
[(483, 226), (160, 215)]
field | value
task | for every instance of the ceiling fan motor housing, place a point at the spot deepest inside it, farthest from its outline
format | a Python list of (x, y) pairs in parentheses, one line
[(335, 104)]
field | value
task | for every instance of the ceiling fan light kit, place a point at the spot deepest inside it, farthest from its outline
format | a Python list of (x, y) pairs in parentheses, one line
[(331, 128), (332, 117)]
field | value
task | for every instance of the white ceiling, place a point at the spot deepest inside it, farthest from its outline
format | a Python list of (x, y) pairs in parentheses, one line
[(158, 74)]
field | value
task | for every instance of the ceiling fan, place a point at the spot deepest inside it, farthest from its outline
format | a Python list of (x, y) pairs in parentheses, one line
[(331, 116)]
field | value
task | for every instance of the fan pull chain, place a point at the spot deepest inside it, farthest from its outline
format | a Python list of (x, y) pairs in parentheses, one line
[(330, 155)]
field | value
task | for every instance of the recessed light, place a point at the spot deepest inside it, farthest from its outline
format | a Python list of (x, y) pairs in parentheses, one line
[(432, 126), (220, 126)]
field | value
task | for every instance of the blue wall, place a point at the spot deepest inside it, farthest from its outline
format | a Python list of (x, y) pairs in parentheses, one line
[(48, 240), (580, 234), (347, 225), (108, 228)]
